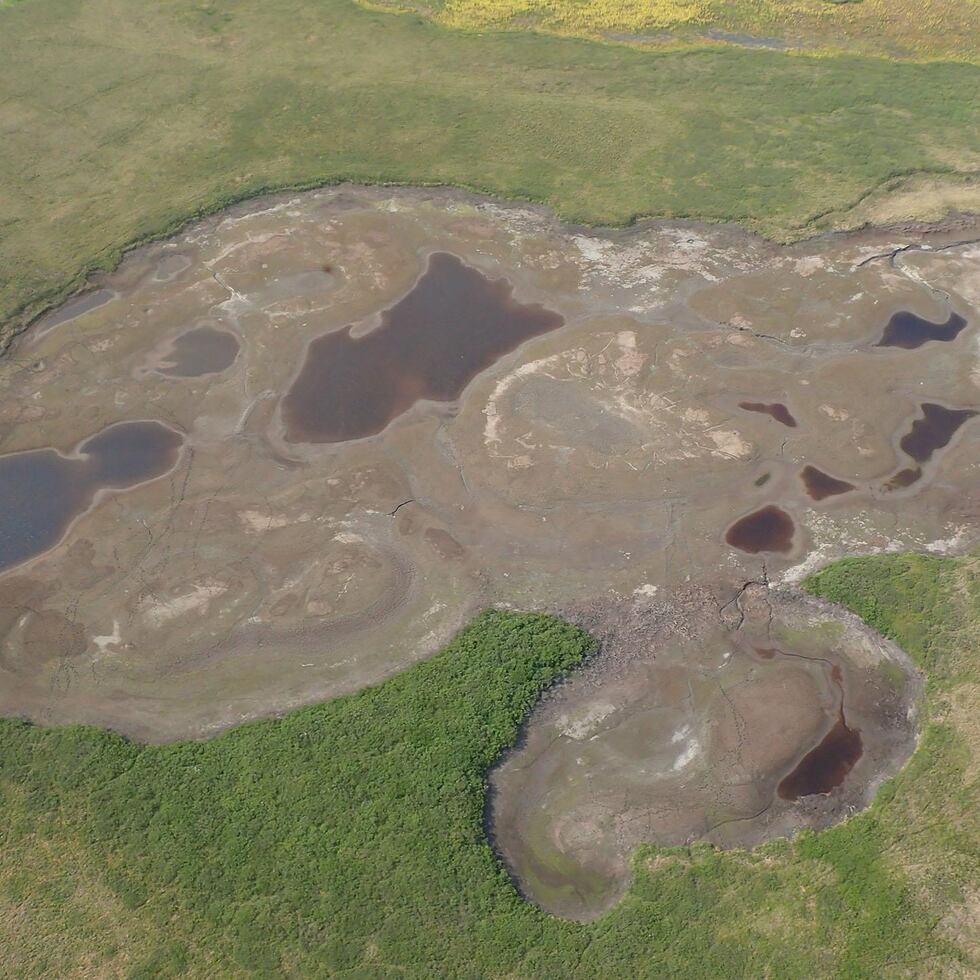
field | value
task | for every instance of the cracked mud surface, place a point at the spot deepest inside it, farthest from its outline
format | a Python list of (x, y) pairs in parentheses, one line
[(595, 471)]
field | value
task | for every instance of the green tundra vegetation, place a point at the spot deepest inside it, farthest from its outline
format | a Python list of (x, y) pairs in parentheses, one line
[(120, 120), (347, 839)]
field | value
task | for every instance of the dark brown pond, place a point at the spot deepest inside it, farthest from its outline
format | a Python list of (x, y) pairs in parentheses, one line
[(904, 478), (453, 324), (824, 767), (934, 430), (43, 491), (203, 350), (909, 331), (779, 412), (768, 529), (820, 485)]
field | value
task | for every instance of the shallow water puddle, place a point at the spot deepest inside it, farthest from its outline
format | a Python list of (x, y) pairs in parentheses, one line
[(386, 430), (934, 430), (74, 308), (774, 409), (908, 331), (430, 345), (820, 485), (201, 351), (904, 478), (43, 491), (768, 529)]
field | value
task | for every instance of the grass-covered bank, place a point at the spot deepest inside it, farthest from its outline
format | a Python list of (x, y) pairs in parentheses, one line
[(888, 28), (120, 120), (345, 839)]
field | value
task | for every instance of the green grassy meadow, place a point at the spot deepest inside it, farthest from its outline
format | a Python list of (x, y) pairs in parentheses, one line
[(346, 839), (121, 120)]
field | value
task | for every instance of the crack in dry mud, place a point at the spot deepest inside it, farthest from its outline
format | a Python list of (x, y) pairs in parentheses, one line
[(892, 254), (736, 600)]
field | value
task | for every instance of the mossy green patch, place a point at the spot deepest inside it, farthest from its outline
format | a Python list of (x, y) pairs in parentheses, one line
[(821, 634)]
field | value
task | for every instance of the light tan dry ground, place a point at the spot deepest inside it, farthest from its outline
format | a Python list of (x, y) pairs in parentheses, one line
[(597, 467)]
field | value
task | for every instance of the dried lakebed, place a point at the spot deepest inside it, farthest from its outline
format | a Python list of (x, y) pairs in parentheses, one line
[(360, 415)]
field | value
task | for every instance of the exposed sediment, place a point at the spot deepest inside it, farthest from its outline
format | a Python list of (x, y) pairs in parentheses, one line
[(666, 383), (731, 718)]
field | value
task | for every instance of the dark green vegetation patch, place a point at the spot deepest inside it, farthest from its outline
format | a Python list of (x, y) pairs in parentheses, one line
[(346, 839)]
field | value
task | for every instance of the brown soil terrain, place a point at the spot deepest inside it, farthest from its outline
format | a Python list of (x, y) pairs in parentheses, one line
[(621, 454), (707, 716)]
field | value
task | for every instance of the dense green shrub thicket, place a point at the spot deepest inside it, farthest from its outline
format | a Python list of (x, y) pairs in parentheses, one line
[(346, 839)]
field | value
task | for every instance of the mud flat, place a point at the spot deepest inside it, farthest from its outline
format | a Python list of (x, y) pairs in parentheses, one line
[(703, 719), (396, 407), (910, 331)]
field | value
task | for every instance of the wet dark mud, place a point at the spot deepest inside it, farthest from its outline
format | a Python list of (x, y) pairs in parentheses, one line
[(827, 764), (701, 719)]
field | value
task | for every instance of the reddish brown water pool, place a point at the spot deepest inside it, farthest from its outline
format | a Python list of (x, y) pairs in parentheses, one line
[(820, 485), (824, 767), (453, 324), (778, 411)]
